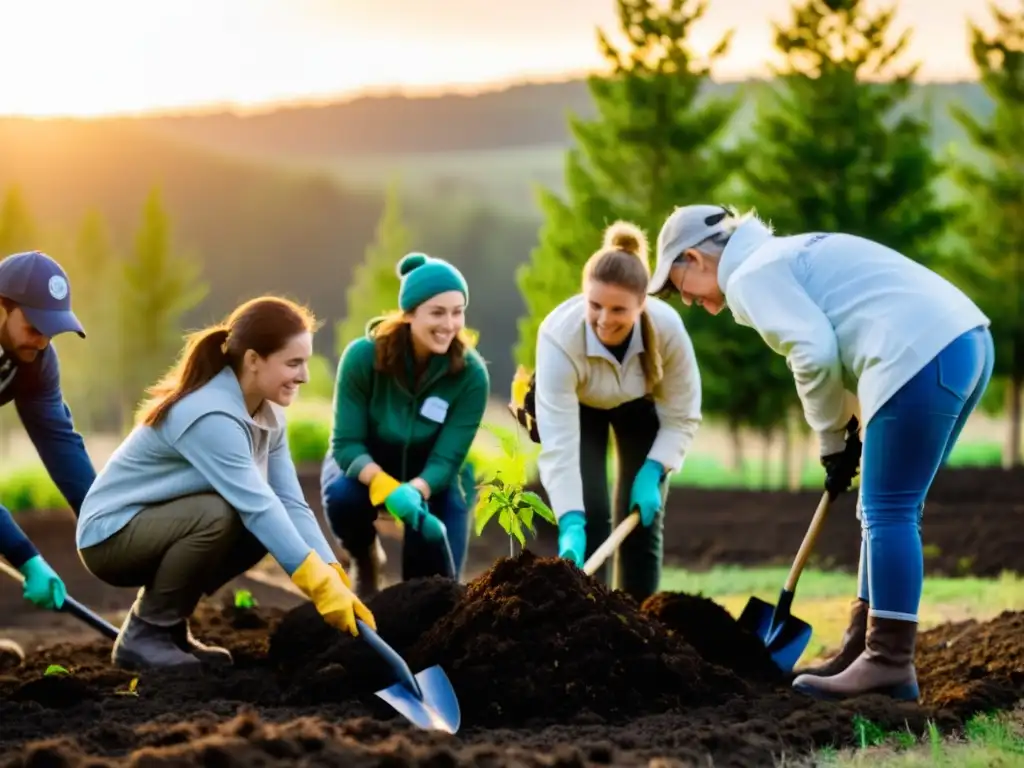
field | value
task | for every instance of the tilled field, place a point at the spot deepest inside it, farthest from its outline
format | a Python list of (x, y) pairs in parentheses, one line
[(550, 667)]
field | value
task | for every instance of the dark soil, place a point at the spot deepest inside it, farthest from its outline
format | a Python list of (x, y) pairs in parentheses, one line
[(711, 630), (567, 674)]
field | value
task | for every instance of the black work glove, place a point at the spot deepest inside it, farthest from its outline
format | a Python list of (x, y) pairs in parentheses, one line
[(842, 467)]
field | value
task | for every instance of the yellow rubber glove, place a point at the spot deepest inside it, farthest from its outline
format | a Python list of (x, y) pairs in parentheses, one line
[(336, 603), (341, 572), (381, 487)]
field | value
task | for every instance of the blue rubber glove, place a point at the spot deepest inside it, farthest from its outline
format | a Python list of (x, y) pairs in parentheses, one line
[(407, 504), (646, 492), (43, 587), (572, 537)]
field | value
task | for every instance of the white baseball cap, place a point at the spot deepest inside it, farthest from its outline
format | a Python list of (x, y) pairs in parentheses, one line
[(685, 228)]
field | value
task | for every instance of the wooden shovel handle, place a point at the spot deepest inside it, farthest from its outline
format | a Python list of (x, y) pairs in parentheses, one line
[(807, 545), (611, 543)]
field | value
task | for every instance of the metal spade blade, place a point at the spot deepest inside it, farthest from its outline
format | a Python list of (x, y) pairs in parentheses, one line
[(426, 699)]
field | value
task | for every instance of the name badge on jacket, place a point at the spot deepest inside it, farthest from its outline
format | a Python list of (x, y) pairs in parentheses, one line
[(435, 409)]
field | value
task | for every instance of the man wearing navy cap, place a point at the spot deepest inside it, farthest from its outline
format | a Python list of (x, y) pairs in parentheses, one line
[(35, 306)]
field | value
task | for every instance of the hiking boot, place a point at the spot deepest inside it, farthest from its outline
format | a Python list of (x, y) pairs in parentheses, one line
[(852, 644), (141, 645), (212, 654), (886, 666)]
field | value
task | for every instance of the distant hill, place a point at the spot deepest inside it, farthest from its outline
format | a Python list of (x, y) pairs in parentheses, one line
[(494, 147), (515, 117)]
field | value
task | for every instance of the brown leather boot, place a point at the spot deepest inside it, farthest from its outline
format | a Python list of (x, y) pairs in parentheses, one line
[(886, 666), (852, 644), (213, 654)]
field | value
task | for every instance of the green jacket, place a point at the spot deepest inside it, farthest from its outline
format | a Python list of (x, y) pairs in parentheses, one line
[(424, 434)]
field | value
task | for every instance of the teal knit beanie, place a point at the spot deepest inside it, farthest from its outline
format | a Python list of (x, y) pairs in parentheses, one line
[(424, 277)]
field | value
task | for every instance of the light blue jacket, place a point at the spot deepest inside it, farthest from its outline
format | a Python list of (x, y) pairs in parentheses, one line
[(208, 442), (846, 312)]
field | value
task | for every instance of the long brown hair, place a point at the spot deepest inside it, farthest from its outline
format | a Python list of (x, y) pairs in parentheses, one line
[(264, 325), (622, 262), (393, 340)]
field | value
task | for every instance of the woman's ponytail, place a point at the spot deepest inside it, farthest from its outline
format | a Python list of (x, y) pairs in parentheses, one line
[(650, 359), (205, 354)]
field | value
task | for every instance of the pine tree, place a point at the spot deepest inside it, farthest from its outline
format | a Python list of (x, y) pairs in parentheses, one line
[(159, 287), (18, 230), (654, 145), (375, 283), (833, 146), (91, 369), (992, 266)]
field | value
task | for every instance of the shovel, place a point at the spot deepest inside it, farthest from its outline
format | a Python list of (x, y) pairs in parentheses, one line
[(73, 607), (602, 553), (426, 699), (785, 635)]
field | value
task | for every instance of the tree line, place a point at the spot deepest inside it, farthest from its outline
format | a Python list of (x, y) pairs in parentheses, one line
[(831, 147)]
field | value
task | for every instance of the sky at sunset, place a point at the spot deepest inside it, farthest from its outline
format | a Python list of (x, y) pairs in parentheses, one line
[(89, 57)]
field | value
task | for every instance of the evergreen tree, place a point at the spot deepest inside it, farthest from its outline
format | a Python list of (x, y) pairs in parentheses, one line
[(91, 369), (375, 282), (159, 287), (992, 266), (18, 230), (654, 145), (833, 146)]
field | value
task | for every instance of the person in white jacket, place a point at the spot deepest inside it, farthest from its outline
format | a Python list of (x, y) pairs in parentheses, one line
[(919, 353), (612, 359)]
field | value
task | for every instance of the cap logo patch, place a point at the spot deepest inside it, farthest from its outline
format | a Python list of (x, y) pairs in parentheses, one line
[(58, 287)]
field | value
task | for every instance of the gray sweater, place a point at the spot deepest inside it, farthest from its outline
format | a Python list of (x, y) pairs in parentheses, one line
[(208, 442)]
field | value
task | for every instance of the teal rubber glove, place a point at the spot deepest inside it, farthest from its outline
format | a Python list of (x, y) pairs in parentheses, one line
[(572, 537), (43, 587), (646, 492), (432, 529), (407, 504)]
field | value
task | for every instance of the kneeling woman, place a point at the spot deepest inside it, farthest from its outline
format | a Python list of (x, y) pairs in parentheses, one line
[(843, 308), (408, 402), (204, 487), (612, 358)]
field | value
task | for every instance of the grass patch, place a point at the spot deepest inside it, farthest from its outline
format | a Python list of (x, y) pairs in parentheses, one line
[(823, 597), (28, 488), (986, 740)]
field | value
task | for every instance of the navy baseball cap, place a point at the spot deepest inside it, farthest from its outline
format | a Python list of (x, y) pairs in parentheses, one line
[(38, 285)]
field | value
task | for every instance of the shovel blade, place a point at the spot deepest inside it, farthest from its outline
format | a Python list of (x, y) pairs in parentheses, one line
[(785, 636), (757, 618), (437, 710)]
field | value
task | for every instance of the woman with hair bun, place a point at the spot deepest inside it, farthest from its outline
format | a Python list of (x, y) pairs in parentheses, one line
[(408, 401), (204, 487), (611, 359)]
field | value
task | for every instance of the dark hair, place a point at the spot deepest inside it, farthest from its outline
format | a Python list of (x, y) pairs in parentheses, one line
[(393, 339), (263, 325), (622, 261)]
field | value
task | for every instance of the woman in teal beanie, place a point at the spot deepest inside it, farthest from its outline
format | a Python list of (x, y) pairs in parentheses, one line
[(408, 402)]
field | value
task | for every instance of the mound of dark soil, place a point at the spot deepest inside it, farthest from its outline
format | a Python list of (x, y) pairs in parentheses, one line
[(971, 666), (325, 665), (532, 640), (535, 640), (714, 633)]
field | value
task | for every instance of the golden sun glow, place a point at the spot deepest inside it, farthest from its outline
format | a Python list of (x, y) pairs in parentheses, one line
[(66, 57)]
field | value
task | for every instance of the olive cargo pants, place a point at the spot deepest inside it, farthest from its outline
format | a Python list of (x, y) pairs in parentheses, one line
[(175, 552)]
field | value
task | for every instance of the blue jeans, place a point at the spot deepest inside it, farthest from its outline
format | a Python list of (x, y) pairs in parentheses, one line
[(351, 516), (905, 443)]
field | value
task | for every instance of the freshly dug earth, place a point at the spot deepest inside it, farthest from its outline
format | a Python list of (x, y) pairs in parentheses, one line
[(567, 674)]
